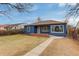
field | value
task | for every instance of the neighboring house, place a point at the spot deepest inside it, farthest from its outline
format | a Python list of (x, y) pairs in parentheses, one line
[(18, 26), (47, 27), (10, 27), (2, 27)]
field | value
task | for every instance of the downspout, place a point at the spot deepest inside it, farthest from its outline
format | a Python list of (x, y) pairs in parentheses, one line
[(66, 21)]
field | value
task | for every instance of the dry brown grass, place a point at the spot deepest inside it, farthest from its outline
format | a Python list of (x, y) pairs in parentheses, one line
[(62, 47), (18, 44)]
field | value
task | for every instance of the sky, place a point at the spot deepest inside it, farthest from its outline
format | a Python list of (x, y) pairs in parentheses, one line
[(46, 11)]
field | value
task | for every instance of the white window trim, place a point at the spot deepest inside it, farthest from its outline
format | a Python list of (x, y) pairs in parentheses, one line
[(54, 31), (44, 30)]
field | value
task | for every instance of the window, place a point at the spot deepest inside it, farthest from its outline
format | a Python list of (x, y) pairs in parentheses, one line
[(28, 29), (44, 28), (57, 28)]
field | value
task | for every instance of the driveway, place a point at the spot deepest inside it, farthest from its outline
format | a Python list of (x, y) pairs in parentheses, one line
[(62, 47)]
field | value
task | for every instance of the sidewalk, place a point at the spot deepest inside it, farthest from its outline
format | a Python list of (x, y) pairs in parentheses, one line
[(40, 48)]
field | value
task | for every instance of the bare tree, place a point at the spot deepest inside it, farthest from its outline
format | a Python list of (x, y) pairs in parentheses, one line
[(72, 10), (19, 7)]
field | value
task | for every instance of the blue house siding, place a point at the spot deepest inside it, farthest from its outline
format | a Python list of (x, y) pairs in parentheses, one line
[(60, 34), (33, 29)]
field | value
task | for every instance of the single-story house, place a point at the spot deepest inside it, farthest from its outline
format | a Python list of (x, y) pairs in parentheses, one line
[(14, 26), (49, 27)]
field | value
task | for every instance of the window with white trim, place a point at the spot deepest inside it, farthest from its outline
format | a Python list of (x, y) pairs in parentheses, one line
[(44, 28), (57, 28)]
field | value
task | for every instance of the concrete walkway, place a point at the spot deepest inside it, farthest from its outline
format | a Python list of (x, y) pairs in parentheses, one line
[(40, 48)]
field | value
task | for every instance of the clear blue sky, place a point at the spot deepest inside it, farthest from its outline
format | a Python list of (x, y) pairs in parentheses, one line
[(44, 11)]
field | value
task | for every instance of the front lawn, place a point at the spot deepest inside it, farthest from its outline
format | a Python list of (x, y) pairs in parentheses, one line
[(18, 44)]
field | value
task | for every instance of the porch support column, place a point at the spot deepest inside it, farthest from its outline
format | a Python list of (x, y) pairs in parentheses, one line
[(38, 30)]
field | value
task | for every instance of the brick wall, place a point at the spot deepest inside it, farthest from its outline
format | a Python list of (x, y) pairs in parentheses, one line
[(40, 35)]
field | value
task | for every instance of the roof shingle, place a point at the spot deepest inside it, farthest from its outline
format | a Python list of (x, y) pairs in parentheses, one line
[(47, 22)]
